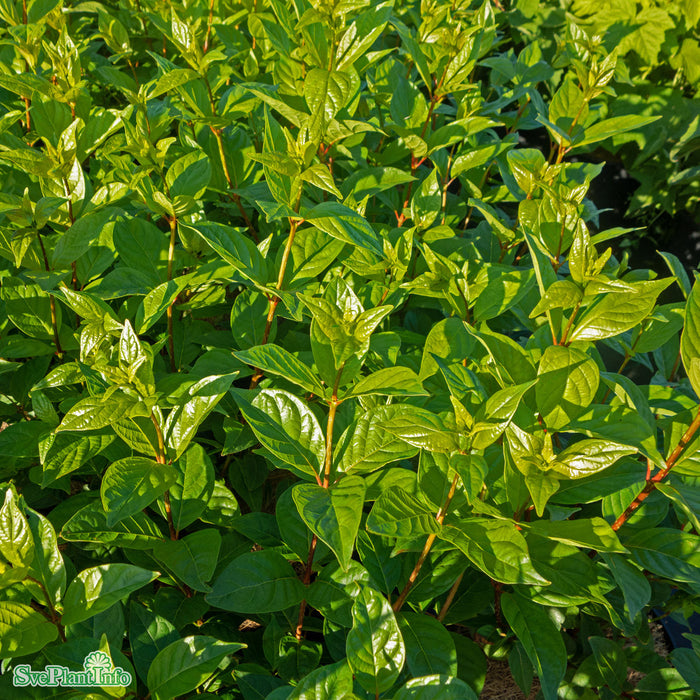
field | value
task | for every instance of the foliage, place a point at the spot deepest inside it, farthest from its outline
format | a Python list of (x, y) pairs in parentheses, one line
[(657, 72), (313, 378)]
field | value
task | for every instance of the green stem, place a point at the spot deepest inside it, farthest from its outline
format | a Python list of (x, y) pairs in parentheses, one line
[(161, 458), (274, 300), (52, 301), (171, 256)]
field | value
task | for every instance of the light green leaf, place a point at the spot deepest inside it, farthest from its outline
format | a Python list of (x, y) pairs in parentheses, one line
[(593, 533), (287, 428), (398, 514), (334, 513), (568, 381), (273, 359), (496, 548), (23, 630), (390, 381), (98, 588), (374, 645), (185, 664), (587, 457), (366, 446), (133, 483)]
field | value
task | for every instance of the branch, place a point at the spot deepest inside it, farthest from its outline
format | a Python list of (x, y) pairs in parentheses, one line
[(654, 480)]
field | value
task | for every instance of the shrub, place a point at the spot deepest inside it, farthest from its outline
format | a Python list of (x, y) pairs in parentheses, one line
[(315, 383)]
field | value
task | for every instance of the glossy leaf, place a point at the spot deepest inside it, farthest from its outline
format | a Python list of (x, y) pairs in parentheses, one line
[(374, 646)]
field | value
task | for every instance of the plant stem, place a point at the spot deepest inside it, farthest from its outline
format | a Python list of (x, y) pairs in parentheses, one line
[(52, 301), (71, 216), (497, 591), (440, 517), (55, 617), (654, 480), (332, 405), (161, 459), (629, 354), (306, 581), (274, 300), (450, 598), (210, 20), (569, 324), (171, 255)]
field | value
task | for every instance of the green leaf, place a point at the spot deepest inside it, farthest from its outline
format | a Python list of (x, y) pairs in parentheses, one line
[(47, 566), (495, 414), (612, 127), (333, 682), (390, 381), (678, 271), (617, 312), (326, 93), (23, 630), (374, 645), (426, 202), (502, 293), (148, 634), (685, 497), (192, 559), (133, 483), (78, 239), (273, 359), (472, 470), (94, 413), (185, 664), (16, 541), (422, 429), (157, 301), (667, 552), (593, 533), (366, 445), (588, 457), (235, 248), (435, 687), (611, 662), (562, 294), (687, 663), (568, 382), (398, 514), (429, 646), (496, 548), (663, 683), (184, 420), (540, 638), (333, 514), (635, 587), (346, 225), (89, 524), (690, 339), (189, 176), (287, 428), (257, 582), (99, 587)]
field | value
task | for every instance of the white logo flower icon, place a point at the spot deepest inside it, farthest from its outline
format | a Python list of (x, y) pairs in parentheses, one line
[(97, 660)]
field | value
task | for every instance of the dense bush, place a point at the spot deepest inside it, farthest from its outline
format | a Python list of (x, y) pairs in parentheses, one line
[(315, 381)]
